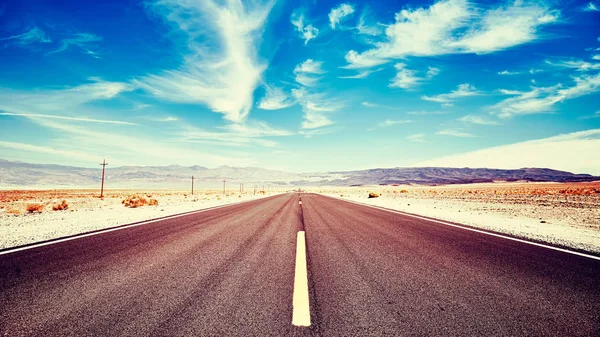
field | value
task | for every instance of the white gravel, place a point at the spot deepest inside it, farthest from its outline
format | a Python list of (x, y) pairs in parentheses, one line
[(534, 222), (94, 214)]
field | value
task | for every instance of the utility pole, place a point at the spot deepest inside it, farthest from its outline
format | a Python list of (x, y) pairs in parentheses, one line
[(193, 185), (223, 187), (255, 189), (104, 163)]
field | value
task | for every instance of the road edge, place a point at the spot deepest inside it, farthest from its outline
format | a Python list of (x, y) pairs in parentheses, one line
[(9, 250), (539, 243)]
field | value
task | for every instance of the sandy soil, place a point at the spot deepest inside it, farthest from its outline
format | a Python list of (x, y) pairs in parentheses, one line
[(560, 214), (87, 212)]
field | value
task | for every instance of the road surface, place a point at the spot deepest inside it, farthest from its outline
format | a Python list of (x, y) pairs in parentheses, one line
[(231, 272)]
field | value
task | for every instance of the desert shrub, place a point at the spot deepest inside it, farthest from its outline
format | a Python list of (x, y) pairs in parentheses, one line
[(35, 208), (373, 195), (134, 201), (60, 207), (13, 211), (403, 191), (152, 202)]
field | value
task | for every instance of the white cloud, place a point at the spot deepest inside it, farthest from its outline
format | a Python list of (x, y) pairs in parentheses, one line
[(275, 99), (463, 90), (419, 138), (319, 132), (76, 119), (362, 74), (309, 66), (535, 71), (375, 105), (33, 35), (81, 40), (562, 152), (316, 108), (389, 122), (364, 60), (61, 152), (308, 32), (221, 68), (455, 133), (340, 13), (162, 119), (541, 100), (367, 29), (506, 72), (591, 7), (452, 27), (579, 65), (406, 78), (474, 119), (595, 115), (305, 71), (596, 57), (432, 72), (426, 113), (60, 100)]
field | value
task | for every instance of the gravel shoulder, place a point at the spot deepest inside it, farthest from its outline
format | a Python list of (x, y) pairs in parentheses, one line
[(87, 212), (537, 212)]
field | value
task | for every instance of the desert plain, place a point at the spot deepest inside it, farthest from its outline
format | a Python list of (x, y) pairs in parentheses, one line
[(561, 214)]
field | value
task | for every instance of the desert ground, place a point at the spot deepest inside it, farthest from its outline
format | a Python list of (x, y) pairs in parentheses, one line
[(28, 216), (564, 214), (561, 214)]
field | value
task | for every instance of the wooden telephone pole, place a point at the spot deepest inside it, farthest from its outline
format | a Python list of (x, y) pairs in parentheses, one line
[(104, 163), (223, 187), (193, 185)]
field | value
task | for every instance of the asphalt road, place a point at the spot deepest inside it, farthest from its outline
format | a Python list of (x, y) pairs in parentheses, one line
[(230, 271)]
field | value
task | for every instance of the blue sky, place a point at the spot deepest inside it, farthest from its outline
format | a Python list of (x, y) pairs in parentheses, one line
[(301, 86)]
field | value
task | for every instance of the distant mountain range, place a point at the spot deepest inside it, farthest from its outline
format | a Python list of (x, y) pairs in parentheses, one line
[(18, 174)]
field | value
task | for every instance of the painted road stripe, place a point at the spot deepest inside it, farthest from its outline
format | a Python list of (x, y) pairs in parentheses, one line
[(472, 229), (301, 311), (102, 231)]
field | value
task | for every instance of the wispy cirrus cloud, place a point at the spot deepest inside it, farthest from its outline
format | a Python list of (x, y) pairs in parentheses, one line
[(543, 99), (418, 138), (340, 13), (406, 78), (316, 107), (85, 41), (591, 7), (454, 27), (305, 72), (474, 119), (76, 119), (31, 36), (578, 65), (247, 134), (390, 122), (508, 73), (463, 90), (306, 31), (275, 99), (379, 106), (60, 100), (365, 28), (455, 133), (221, 68), (364, 73)]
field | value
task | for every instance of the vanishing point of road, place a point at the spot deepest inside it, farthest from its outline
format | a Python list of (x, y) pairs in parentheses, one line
[(235, 271)]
